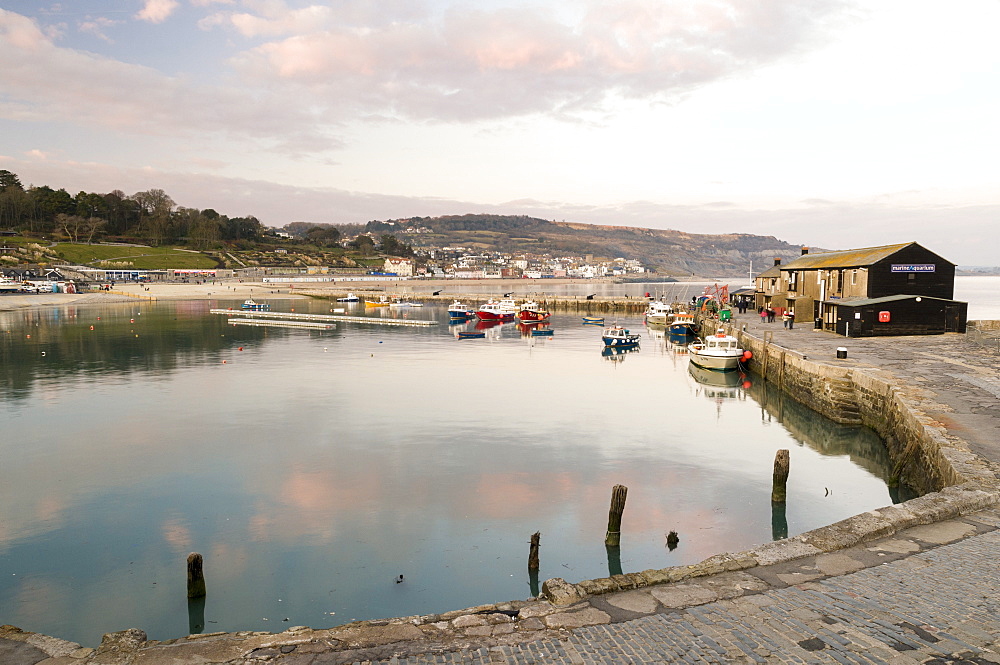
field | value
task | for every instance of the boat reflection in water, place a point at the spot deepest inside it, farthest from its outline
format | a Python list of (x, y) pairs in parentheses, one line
[(616, 354), (720, 386)]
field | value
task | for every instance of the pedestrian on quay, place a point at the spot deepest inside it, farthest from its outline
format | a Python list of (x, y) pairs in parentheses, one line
[(763, 314), (791, 318), (770, 315), (784, 319)]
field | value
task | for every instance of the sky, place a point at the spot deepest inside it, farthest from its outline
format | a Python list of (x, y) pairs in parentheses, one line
[(832, 124)]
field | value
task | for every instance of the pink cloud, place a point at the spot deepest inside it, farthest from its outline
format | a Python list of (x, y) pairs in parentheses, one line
[(157, 11)]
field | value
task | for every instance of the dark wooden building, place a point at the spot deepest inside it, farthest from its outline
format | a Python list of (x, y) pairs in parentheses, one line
[(838, 291)]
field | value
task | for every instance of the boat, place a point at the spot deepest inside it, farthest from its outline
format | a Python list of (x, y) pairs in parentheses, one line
[(497, 310), (719, 352), (541, 332), (532, 312), (254, 306), (593, 320), (617, 335), (459, 310), (471, 334), (381, 302), (657, 312), (350, 297), (399, 302), (681, 328)]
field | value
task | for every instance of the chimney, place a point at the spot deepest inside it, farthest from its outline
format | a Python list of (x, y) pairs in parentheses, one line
[(805, 250), (777, 261)]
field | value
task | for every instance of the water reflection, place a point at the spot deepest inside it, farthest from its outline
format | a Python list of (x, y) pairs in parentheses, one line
[(313, 468)]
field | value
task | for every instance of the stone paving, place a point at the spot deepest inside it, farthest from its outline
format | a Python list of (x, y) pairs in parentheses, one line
[(925, 593)]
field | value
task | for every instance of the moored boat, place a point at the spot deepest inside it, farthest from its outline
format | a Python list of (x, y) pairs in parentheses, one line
[(617, 335), (381, 302), (657, 312), (681, 328), (252, 305), (471, 334), (497, 310), (459, 310), (541, 332), (350, 297), (593, 320), (719, 352), (532, 312)]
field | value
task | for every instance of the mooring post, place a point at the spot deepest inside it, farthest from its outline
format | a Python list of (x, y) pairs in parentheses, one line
[(533, 551), (614, 534), (780, 478), (196, 575)]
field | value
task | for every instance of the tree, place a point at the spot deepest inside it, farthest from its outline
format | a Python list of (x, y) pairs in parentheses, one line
[(364, 244), (392, 246), (76, 226), (154, 214), (323, 235), (9, 180)]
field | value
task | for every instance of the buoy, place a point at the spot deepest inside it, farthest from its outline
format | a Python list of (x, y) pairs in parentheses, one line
[(223, 362), (98, 318), (91, 327), (131, 320), (241, 348), (747, 385), (747, 355), (43, 354)]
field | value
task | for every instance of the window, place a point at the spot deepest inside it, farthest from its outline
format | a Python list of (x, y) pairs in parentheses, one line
[(854, 278)]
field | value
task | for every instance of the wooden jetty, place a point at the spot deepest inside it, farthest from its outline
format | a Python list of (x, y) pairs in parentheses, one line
[(271, 323), (323, 318)]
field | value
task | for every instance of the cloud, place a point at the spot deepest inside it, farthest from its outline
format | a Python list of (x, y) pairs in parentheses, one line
[(157, 11), (467, 64), (89, 90)]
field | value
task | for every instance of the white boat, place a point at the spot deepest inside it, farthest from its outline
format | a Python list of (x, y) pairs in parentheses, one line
[(350, 297), (504, 310), (657, 312), (719, 352), (253, 305), (399, 302)]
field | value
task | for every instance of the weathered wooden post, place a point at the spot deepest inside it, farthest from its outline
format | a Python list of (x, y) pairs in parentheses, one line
[(780, 477), (196, 575), (614, 535), (533, 551), (779, 521)]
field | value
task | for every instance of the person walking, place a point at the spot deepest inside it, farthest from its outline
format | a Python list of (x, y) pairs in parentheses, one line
[(784, 319), (770, 315), (791, 318), (763, 314)]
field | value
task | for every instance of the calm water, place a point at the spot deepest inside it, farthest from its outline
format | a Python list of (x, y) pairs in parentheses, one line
[(312, 468)]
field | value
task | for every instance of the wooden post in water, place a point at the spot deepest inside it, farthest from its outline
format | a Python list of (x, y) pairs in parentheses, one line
[(614, 535), (533, 552), (196, 575), (780, 478)]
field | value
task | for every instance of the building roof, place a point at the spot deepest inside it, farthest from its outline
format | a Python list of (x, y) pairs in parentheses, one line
[(848, 258)]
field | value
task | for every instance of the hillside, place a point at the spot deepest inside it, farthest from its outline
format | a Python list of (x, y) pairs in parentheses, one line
[(671, 253)]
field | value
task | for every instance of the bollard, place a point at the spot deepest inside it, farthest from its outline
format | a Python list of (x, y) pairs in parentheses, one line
[(614, 534), (780, 478), (533, 551), (196, 575)]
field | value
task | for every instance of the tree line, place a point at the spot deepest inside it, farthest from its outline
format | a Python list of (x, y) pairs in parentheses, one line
[(150, 216)]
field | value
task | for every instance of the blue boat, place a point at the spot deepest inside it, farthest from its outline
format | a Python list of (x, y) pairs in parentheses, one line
[(251, 305), (618, 336), (471, 334), (541, 333), (594, 320), (681, 328)]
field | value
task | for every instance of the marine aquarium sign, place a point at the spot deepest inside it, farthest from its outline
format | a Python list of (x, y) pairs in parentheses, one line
[(912, 267)]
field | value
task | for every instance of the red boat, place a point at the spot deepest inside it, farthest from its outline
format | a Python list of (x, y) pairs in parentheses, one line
[(531, 312), (503, 310)]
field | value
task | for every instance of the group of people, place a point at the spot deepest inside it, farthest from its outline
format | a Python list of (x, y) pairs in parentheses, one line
[(767, 315)]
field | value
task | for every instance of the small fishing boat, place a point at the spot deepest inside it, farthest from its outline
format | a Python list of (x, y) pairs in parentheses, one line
[(381, 302), (497, 310), (617, 335), (541, 332), (471, 334), (400, 302), (719, 352), (657, 312), (252, 305), (532, 312), (681, 328), (593, 320), (350, 297), (459, 310)]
